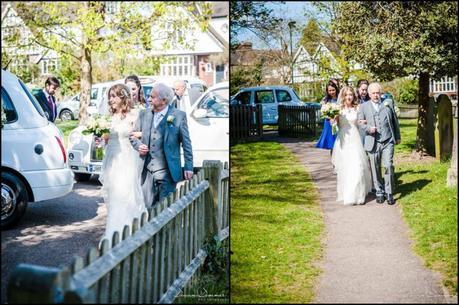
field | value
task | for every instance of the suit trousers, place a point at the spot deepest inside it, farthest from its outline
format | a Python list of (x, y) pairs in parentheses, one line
[(382, 154), (157, 186)]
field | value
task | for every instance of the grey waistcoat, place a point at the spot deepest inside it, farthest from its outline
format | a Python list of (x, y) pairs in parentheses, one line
[(157, 156), (382, 125)]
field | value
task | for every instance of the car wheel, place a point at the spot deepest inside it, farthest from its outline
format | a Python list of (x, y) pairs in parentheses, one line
[(66, 115), (14, 200), (80, 177)]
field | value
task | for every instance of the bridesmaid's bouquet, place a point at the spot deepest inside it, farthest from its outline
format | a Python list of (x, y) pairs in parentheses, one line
[(97, 125), (329, 110)]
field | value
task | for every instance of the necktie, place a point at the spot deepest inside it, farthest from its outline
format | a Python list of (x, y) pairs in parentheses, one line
[(51, 106)]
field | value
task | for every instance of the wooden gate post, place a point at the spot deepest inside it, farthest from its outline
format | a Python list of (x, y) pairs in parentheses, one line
[(37, 284), (212, 172)]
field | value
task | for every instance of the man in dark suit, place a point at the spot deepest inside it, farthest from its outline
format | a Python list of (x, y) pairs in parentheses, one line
[(46, 98)]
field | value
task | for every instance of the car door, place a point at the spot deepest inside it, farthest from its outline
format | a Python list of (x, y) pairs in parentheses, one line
[(208, 126), (268, 103)]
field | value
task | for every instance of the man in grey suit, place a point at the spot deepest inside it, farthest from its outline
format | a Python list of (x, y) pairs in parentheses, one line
[(163, 129), (379, 122)]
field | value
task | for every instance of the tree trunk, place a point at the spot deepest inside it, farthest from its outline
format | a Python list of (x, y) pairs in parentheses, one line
[(86, 83), (422, 128)]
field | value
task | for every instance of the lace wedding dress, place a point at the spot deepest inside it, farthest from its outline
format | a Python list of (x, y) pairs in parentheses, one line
[(120, 177), (350, 161)]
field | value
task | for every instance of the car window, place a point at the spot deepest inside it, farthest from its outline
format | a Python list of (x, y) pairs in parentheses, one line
[(32, 99), (264, 97), (103, 91), (94, 92), (283, 96), (146, 92), (9, 113), (216, 103), (243, 98), (198, 87)]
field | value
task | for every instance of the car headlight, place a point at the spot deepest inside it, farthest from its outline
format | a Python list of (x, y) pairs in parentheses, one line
[(75, 138)]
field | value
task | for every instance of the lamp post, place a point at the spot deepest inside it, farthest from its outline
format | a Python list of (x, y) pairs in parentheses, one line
[(291, 25)]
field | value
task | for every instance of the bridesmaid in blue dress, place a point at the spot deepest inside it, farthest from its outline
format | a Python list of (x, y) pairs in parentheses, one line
[(327, 139)]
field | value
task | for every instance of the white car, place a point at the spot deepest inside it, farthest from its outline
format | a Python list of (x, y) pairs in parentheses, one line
[(34, 161), (208, 125), (69, 109)]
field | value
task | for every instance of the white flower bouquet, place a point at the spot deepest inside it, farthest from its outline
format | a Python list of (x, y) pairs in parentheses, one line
[(98, 125), (330, 110)]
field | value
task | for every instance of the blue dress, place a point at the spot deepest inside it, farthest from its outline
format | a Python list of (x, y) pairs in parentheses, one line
[(327, 139)]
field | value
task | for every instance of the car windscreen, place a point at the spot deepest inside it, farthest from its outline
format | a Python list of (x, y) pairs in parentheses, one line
[(32, 99)]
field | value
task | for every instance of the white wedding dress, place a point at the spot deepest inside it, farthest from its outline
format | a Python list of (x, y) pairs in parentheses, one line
[(350, 161), (120, 177)]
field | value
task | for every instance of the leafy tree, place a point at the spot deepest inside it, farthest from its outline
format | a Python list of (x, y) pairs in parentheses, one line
[(311, 36), (402, 38), (80, 30), (253, 16)]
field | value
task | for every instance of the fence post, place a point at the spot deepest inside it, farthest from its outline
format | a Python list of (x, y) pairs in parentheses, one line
[(212, 172), (37, 284)]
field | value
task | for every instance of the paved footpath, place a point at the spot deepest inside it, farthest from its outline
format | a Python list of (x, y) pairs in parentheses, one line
[(368, 256)]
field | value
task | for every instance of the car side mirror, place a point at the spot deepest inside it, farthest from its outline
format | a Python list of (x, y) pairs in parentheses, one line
[(200, 113)]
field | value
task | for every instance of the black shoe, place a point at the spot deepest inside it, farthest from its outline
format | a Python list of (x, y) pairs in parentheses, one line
[(380, 199), (390, 199)]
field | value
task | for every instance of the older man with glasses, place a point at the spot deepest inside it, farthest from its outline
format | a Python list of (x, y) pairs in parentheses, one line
[(164, 129)]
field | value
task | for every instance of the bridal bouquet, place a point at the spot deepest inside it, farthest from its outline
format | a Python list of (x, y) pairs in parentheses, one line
[(329, 110), (98, 125)]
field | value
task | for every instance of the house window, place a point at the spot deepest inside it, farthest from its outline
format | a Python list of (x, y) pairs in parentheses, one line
[(178, 66), (49, 65), (111, 7), (208, 67)]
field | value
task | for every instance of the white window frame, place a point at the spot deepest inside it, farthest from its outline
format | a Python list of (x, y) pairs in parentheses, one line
[(177, 66)]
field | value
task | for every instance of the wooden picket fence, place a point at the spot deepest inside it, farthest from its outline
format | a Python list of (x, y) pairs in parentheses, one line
[(153, 264), (245, 123), (297, 121)]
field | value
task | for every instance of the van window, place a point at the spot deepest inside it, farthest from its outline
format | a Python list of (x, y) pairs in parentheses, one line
[(283, 96), (32, 99), (243, 98), (9, 114), (264, 97)]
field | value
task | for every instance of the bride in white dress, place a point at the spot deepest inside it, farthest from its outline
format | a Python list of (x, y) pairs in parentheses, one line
[(120, 176), (349, 157)]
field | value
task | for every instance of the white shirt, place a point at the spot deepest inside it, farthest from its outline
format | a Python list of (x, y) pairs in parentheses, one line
[(158, 116), (376, 106)]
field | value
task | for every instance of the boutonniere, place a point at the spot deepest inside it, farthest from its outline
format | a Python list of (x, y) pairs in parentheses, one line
[(170, 119), (386, 103)]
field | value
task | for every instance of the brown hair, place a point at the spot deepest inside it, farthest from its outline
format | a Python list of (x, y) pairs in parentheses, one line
[(121, 91), (342, 94), (52, 81), (140, 94)]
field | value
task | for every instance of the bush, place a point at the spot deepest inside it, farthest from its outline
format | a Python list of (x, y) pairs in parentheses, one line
[(408, 91), (404, 90)]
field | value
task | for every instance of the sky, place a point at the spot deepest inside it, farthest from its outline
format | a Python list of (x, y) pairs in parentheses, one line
[(294, 10)]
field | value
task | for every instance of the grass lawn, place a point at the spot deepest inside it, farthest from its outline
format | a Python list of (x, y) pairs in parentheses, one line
[(429, 207), (276, 226), (66, 128)]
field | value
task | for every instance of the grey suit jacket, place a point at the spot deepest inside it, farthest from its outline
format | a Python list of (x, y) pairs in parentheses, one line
[(176, 133), (367, 113)]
